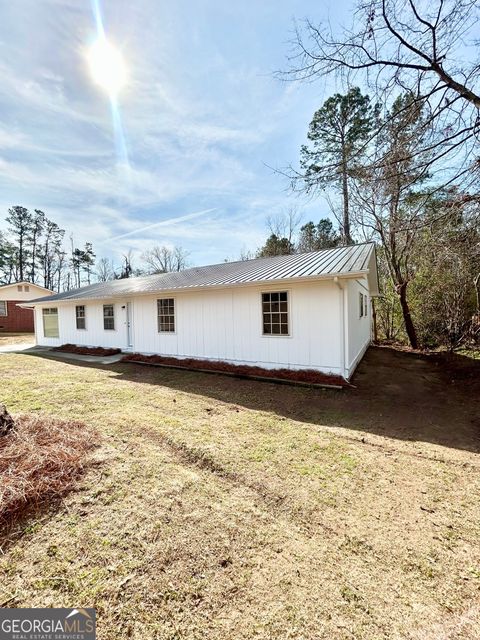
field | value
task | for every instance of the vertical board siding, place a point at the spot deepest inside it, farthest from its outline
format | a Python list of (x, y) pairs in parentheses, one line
[(94, 335), (227, 325), (219, 324), (359, 328)]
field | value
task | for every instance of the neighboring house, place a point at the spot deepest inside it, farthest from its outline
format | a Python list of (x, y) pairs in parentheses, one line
[(302, 311), (15, 319)]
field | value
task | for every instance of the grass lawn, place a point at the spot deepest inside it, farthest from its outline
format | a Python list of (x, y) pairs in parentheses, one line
[(225, 509), (16, 338)]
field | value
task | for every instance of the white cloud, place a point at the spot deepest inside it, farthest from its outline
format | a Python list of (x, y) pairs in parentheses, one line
[(198, 131)]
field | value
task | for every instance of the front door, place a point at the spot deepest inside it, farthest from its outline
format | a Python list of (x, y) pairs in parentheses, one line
[(129, 326)]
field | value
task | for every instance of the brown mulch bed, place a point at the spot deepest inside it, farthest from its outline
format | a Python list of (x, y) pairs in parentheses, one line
[(87, 351), (306, 376), (41, 459)]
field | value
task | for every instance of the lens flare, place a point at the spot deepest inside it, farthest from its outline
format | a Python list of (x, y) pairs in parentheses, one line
[(106, 66)]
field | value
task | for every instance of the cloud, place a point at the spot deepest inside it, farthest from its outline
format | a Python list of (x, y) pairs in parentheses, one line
[(202, 118)]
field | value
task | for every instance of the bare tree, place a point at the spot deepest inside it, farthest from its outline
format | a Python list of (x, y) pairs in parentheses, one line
[(285, 225), (398, 45), (390, 199), (163, 259), (105, 270)]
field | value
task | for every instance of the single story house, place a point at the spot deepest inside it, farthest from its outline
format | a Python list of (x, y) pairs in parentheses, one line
[(302, 311), (14, 318)]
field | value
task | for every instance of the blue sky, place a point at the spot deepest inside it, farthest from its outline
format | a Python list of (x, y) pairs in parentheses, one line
[(203, 116)]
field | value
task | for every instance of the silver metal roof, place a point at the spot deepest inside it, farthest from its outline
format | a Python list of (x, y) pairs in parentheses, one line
[(355, 259)]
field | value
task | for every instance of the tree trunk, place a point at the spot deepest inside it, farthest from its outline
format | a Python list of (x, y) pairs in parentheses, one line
[(347, 238), (476, 284), (374, 320), (407, 316)]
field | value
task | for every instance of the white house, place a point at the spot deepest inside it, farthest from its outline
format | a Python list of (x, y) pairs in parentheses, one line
[(302, 311)]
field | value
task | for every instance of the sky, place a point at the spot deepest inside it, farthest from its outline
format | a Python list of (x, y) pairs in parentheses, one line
[(203, 116)]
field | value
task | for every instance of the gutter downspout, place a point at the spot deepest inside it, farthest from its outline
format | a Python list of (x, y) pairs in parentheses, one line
[(343, 320)]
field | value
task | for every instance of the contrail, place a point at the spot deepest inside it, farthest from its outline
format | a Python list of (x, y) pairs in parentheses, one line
[(162, 223)]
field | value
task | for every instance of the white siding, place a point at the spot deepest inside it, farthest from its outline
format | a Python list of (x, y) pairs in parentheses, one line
[(359, 327), (221, 324), (11, 292), (227, 325), (94, 335)]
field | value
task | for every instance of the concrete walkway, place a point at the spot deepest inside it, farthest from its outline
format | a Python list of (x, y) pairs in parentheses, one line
[(29, 349)]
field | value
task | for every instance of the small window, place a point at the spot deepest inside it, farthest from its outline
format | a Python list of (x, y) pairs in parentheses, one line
[(26, 288), (360, 300), (50, 322), (3, 308), (275, 313), (365, 308), (108, 317), (166, 315), (19, 287), (80, 315)]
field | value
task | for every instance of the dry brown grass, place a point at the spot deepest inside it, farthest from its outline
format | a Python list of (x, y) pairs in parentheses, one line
[(16, 338), (40, 461), (228, 509)]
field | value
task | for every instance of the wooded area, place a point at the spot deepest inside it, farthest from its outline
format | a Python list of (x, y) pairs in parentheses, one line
[(396, 156), (34, 250)]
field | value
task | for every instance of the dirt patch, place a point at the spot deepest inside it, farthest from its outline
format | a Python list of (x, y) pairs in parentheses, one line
[(41, 459), (87, 351), (457, 368), (308, 376)]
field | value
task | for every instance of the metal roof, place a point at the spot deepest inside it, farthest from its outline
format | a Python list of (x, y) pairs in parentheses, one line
[(354, 259)]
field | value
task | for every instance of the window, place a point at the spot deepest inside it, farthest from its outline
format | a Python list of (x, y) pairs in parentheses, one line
[(166, 315), (19, 287), (363, 300), (3, 308), (80, 315), (108, 317), (26, 288), (275, 313), (50, 322)]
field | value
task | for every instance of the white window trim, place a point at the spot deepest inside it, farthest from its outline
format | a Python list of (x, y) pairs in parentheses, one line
[(167, 333), (4, 315), (84, 317), (114, 317), (58, 323), (289, 312)]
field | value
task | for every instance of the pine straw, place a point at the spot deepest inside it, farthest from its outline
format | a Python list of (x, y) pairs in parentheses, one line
[(308, 376), (40, 461), (87, 351)]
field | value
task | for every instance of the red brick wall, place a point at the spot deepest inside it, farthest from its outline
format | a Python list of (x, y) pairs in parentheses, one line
[(17, 320)]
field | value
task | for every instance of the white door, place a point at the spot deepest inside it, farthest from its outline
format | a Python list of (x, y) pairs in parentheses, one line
[(129, 326)]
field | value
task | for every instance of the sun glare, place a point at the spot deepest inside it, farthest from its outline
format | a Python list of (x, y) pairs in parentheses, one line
[(106, 66)]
